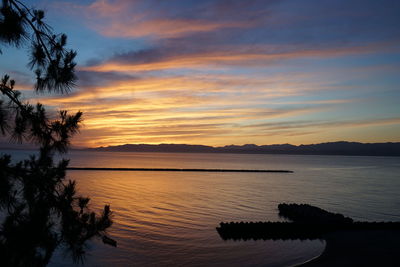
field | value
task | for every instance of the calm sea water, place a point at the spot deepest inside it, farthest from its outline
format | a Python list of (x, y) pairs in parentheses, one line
[(169, 218)]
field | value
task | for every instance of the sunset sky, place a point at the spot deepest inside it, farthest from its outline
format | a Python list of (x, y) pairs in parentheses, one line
[(226, 72)]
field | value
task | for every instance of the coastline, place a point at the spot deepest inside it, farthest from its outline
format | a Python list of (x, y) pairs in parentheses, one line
[(359, 248)]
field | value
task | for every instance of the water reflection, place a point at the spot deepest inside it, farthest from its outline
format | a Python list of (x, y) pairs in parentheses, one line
[(170, 217)]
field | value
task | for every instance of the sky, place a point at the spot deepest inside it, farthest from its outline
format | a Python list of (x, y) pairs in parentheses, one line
[(226, 72)]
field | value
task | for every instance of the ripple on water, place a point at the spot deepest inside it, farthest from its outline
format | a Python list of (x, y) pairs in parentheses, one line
[(164, 219)]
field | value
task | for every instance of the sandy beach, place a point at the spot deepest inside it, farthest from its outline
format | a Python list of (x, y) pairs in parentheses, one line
[(360, 248)]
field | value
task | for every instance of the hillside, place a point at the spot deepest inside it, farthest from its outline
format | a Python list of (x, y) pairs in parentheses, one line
[(332, 148)]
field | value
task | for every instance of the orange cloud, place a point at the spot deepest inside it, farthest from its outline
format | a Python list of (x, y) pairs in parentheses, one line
[(243, 56), (161, 28), (213, 133)]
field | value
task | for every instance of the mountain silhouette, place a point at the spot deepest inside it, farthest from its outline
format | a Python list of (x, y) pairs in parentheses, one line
[(331, 148)]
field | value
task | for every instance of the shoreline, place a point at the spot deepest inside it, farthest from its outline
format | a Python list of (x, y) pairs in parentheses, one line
[(347, 242), (359, 248), (309, 260)]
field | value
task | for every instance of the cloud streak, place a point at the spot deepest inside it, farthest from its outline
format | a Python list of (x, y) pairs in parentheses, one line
[(164, 58)]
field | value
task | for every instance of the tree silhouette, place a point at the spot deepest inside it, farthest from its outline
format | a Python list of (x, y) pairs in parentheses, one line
[(39, 208)]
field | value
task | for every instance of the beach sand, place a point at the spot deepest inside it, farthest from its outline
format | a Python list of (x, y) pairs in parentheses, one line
[(360, 248)]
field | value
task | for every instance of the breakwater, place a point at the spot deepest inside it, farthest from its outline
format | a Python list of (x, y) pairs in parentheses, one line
[(308, 222), (173, 170), (293, 230), (304, 213)]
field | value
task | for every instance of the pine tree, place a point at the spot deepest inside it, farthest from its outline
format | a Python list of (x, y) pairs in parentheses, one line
[(39, 208)]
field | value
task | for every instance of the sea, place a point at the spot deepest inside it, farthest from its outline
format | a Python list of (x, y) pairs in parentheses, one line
[(170, 218)]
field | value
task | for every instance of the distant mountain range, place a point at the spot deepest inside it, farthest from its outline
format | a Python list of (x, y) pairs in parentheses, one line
[(332, 148)]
